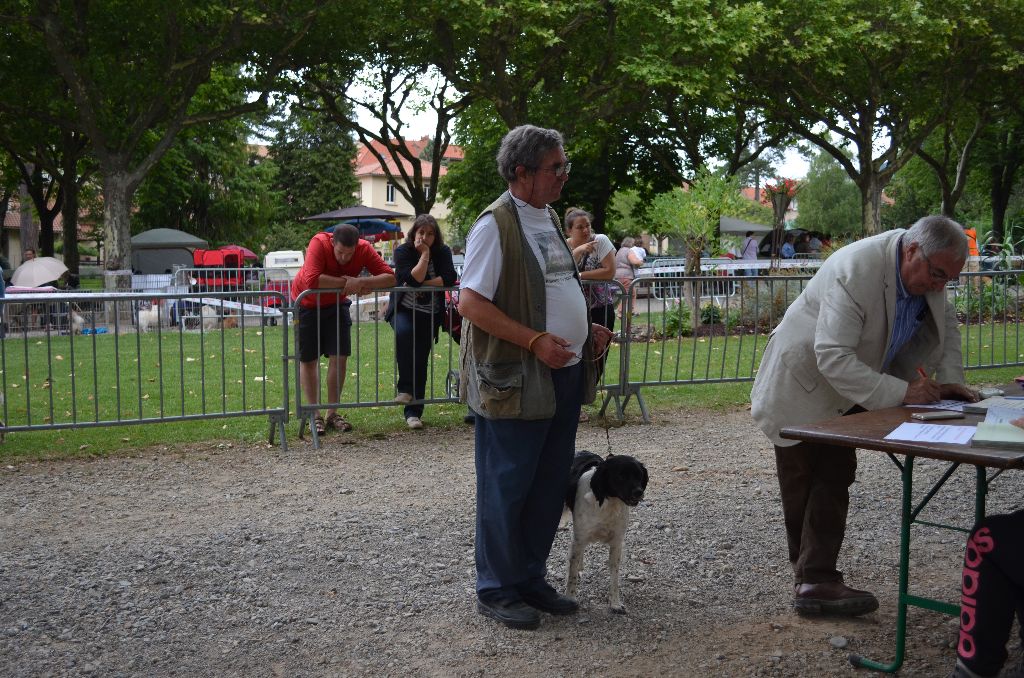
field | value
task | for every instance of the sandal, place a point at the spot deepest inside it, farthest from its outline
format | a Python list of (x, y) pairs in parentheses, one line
[(336, 422), (319, 426)]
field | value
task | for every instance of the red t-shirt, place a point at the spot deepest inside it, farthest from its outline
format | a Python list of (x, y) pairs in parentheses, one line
[(320, 260)]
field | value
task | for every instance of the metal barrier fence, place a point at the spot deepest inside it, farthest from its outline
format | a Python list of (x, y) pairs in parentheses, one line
[(696, 330), (191, 355), (105, 359), (700, 329), (990, 305), (371, 345), (230, 280), (375, 351)]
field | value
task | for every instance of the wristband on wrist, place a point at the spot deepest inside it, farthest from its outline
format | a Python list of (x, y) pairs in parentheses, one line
[(529, 347)]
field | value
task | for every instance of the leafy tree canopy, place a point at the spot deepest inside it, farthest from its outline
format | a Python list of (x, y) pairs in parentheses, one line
[(829, 201), (473, 183), (314, 159), (211, 183), (693, 214)]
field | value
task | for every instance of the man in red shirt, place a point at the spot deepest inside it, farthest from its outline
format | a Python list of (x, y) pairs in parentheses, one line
[(333, 261)]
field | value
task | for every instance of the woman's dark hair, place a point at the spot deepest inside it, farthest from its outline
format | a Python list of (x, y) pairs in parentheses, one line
[(574, 213), (425, 220)]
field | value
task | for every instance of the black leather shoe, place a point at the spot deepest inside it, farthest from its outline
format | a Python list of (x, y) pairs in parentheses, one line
[(546, 599), (833, 598), (514, 614)]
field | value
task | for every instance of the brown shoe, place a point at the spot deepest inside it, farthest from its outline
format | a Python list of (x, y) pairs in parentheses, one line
[(833, 597)]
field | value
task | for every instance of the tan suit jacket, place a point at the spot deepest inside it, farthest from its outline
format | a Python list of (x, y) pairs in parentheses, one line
[(827, 353)]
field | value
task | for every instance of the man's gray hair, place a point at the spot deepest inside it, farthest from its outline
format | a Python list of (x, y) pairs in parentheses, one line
[(936, 233), (525, 145)]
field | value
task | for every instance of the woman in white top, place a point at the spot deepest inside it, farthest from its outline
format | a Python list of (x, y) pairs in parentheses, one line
[(595, 257), (749, 251)]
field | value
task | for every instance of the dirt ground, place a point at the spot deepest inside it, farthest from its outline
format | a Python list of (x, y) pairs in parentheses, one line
[(358, 560)]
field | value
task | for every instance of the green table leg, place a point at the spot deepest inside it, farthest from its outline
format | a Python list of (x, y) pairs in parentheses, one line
[(980, 492), (906, 517)]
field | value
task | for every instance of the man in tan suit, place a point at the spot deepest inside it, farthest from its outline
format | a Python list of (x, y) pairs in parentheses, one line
[(854, 340)]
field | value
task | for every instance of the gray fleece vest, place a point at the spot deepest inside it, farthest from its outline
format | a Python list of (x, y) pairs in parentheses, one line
[(498, 379)]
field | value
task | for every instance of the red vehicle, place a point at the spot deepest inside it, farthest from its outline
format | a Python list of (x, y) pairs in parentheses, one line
[(218, 270)]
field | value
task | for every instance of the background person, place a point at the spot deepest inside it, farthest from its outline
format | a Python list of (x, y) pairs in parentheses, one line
[(527, 367), (788, 251), (594, 255), (422, 261), (993, 590), (639, 251), (873, 315), (803, 244), (814, 244), (748, 252), (333, 261), (595, 258), (626, 263)]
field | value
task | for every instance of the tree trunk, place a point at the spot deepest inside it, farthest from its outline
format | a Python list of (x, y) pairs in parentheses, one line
[(47, 215), (1000, 194), (948, 201), (5, 202), (69, 212), (871, 205), (117, 204), (691, 297), (29, 228)]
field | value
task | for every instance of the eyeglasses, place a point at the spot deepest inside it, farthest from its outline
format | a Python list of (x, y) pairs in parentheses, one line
[(558, 170), (937, 274)]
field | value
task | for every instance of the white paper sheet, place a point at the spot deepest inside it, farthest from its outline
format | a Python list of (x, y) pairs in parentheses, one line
[(932, 433), (1002, 415)]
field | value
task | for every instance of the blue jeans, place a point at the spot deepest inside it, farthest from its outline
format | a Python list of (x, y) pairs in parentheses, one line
[(414, 337), (522, 471)]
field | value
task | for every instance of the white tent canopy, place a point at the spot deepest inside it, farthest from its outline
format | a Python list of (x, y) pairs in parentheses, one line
[(733, 226), (158, 250)]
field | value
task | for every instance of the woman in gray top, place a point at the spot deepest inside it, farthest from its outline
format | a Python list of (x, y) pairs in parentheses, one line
[(626, 263)]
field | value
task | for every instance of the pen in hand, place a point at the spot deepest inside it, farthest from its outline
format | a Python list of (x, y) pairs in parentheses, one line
[(920, 370)]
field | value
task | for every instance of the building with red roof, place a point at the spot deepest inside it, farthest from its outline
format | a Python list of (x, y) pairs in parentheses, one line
[(376, 190)]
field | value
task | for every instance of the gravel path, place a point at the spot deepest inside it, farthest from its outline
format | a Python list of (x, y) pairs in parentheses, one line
[(358, 560)]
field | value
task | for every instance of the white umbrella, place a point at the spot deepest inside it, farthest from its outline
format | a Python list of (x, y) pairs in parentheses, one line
[(39, 271)]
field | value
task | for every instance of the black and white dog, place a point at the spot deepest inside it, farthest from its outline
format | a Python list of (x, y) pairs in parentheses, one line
[(600, 493)]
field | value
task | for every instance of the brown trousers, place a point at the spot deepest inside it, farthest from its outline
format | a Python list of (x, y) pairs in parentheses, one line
[(815, 485)]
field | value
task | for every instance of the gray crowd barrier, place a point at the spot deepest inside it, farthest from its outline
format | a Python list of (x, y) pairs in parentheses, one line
[(106, 359)]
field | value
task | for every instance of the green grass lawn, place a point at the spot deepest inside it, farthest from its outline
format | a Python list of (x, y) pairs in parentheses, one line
[(210, 377)]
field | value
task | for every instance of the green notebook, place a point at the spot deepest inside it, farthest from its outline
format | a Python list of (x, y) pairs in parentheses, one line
[(1003, 436)]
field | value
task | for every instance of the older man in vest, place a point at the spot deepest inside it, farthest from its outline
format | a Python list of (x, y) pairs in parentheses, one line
[(527, 358)]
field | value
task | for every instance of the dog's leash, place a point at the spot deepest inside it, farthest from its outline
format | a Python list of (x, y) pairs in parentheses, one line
[(608, 437)]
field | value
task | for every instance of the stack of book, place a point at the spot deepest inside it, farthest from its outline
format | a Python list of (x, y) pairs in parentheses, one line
[(996, 430)]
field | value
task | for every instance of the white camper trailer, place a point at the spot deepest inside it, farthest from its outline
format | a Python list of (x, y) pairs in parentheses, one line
[(289, 260)]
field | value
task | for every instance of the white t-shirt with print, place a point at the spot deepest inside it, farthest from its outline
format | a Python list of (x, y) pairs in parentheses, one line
[(566, 308), (602, 246)]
